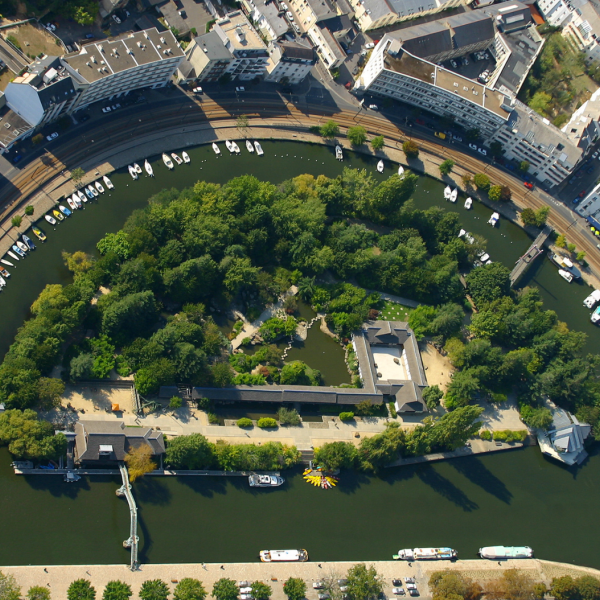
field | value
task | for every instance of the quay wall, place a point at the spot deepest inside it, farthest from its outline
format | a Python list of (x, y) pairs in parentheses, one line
[(58, 578)]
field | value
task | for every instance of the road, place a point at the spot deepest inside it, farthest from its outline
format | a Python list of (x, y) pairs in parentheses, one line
[(81, 144), (14, 61)]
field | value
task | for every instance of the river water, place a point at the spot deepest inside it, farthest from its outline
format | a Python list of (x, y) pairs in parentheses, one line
[(510, 498)]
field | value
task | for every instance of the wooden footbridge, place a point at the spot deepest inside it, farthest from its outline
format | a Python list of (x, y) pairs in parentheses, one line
[(525, 261), (133, 541)]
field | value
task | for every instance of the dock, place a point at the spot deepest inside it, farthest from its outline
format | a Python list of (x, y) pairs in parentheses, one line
[(525, 261)]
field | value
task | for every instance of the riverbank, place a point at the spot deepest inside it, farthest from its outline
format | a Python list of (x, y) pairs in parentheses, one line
[(58, 578)]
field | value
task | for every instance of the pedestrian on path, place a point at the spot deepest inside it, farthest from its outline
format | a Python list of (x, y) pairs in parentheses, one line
[(204, 567)]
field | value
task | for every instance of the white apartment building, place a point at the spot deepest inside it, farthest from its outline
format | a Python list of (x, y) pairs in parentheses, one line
[(330, 52), (206, 59), (555, 12), (590, 205), (113, 68), (291, 61), (267, 17), (309, 12)]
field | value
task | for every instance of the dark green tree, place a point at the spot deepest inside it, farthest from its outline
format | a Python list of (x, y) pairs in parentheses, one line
[(488, 283), (9, 590), (456, 427), (154, 589), (330, 130), (189, 589), (36, 592), (117, 590), (336, 455), (446, 167), (261, 591), (410, 149), (81, 589), (357, 135), (295, 588), (364, 583), (377, 143), (192, 451), (432, 396), (225, 589)]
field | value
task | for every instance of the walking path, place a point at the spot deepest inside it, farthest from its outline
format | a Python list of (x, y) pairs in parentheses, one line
[(58, 578)]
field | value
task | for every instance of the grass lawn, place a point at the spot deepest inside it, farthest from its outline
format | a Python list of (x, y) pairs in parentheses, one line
[(392, 311), (33, 41)]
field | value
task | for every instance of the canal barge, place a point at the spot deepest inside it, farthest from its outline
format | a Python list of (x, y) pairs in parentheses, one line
[(564, 263), (505, 552), (283, 555), (256, 480), (426, 554)]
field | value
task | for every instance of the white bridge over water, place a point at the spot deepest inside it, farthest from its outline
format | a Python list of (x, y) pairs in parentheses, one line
[(133, 541)]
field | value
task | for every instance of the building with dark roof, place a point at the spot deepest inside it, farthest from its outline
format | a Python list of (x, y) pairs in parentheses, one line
[(98, 442), (564, 440), (12, 127), (206, 59), (267, 17), (291, 61)]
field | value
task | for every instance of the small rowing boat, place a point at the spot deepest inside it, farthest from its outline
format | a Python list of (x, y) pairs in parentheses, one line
[(99, 187), (400, 170), (148, 168), (229, 146), (39, 234), (380, 166), (447, 192), (249, 146), (494, 219), (108, 183), (12, 255), (6, 262), (216, 149), (235, 147), (167, 160), (259, 149), (176, 158), (186, 157), (50, 219), (132, 172)]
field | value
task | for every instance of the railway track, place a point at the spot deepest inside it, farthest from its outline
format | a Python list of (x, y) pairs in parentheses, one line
[(279, 114)]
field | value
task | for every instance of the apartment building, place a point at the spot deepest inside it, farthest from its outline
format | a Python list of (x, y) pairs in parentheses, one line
[(267, 18), (206, 59), (555, 12), (290, 61), (309, 12), (12, 127), (330, 51), (590, 205), (113, 68)]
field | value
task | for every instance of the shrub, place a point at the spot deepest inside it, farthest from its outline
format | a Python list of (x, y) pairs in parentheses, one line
[(81, 589), (13, 40), (204, 403), (329, 130), (16, 221), (482, 182), (485, 434), (213, 419), (266, 422), (175, 402), (498, 397), (154, 589), (357, 135), (288, 416), (377, 142), (510, 436), (38, 138), (29, 210), (346, 416), (244, 422), (410, 149), (446, 167), (392, 409)]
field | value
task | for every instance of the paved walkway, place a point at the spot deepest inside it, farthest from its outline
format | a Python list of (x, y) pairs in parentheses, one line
[(58, 578)]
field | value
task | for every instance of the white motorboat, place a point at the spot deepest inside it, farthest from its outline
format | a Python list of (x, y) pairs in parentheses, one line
[(380, 166), (81, 196), (339, 153), (93, 191), (50, 219), (461, 233), (186, 157), (259, 149), (64, 210), (4, 272), (12, 255), (454, 195), (592, 299), (494, 219), (77, 201), (108, 183), (137, 168), (216, 149), (565, 275), (594, 317), (167, 160), (256, 480), (22, 246), (469, 238), (6, 262), (229, 146), (99, 187), (71, 203), (249, 146), (87, 193), (176, 158), (563, 262), (447, 192), (401, 170), (484, 258), (235, 147), (468, 203), (2, 281), (505, 552), (283, 555), (132, 172), (426, 554), (148, 168)]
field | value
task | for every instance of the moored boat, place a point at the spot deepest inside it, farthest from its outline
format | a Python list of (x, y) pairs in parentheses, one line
[(447, 192), (6, 262), (58, 215), (137, 168), (64, 210), (339, 154), (505, 552), (99, 187), (108, 183), (50, 219), (18, 250), (380, 166), (426, 554), (93, 190), (176, 158), (454, 195), (216, 149), (132, 172), (12, 255), (148, 168), (27, 241), (249, 146), (4, 272), (594, 317), (461, 232), (565, 275), (592, 299), (2, 282), (186, 157), (167, 160), (229, 146), (39, 234), (400, 170), (494, 219), (88, 193), (81, 196), (256, 480), (565, 263), (77, 201), (71, 204), (235, 147), (258, 147), (283, 555), (468, 203)]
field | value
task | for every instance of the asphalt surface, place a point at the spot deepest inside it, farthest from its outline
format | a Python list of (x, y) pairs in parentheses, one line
[(13, 60)]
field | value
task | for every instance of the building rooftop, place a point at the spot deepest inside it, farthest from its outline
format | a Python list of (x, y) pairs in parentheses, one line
[(377, 8), (211, 45), (269, 11), (238, 34), (103, 58), (12, 126), (323, 9), (296, 51), (330, 40), (170, 12), (564, 440)]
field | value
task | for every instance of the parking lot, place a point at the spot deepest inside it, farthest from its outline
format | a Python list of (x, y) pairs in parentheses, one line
[(473, 69)]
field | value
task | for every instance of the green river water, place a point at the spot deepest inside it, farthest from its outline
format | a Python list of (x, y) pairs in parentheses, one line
[(512, 498)]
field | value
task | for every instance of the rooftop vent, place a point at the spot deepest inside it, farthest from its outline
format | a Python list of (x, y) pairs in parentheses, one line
[(139, 44), (162, 39), (146, 35), (93, 58), (7, 125), (100, 47)]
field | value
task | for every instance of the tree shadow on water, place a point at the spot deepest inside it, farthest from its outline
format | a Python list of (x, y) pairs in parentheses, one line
[(210, 486), (151, 490), (475, 471), (446, 488)]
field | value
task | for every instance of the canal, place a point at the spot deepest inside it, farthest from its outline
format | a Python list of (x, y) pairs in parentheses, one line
[(510, 498)]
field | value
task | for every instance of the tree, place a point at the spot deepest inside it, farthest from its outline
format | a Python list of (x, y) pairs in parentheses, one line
[(473, 134), (50, 391), (261, 591), (536, 218), (495, 193), (78, 262), (357, 135), (512, 585), (564, 588), (496, 149), (432, 396), (536, 417), (488, 283), (364, 583), (295, 588), (117, 590), (505, 194), (377, 143), (16, 221), (225, 589), (288, 416), (450, 585), (561, 241), (154, 589), (189, 589), (540, 102), (461, 389), (116, 243), (581, 256), (446, 167), (482, 182), (139, 462), (571, 247), (588, 587), (189, 452), (467, 180), (456, 427), (9, 590), (306, 288), (410, 149), (82, 366), (77, 175), (36, 592), (524, 166), (242, 123), (37, 139), (81, 589), (175, 402), (336, 455), (130, 317), (330, 130), (29, 210)]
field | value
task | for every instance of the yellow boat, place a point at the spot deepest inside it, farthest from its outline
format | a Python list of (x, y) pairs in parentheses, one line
[(58, 215), (39, 233)]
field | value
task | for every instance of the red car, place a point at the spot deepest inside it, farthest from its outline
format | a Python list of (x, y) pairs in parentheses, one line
[(528, 185), (582, 193)]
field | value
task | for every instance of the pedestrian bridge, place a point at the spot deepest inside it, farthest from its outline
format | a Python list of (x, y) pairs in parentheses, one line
[(525, 261)]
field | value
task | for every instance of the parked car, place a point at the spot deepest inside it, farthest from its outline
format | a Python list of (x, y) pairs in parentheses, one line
[(243, 584), (411, 585), (582, 193), (342, 582), (318, 585), (595, 155), (246, 590), (396, 582), (50, 26), (457, 138), (197, 90), (472, 146), (116, 19), (17, 158), (246, 597), (453, 63), (89, 36), (296, 28), (370, 45), (576, 200), (399, 591), (241, 88), (106, 109), (323, 596), (482, 151), (373, 107), (413, 592), (465, 61), (410, 580), (284, 6), (589, 170), (528, 185), (52, 136), (289, 15)]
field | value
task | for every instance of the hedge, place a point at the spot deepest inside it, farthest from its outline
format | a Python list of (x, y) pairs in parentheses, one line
[(266, 422), (346, 416), (244, 422)]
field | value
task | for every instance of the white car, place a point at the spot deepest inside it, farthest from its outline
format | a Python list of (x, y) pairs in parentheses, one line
[(246, 589), (241, 88), (318, 585), (453, 63), (482, 151), (51, 27), (473, 146), (284, 6), (289, 15), (52, 136), (116, 19), (106, 109), (246, 597), (465, 61), (399, 591), (595, 155), (197, 90), (243, 584), (373, 107), (457, 138), (411, 586), (369, 46)]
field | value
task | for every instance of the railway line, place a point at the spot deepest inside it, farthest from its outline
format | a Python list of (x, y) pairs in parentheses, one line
[(271, 114)]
